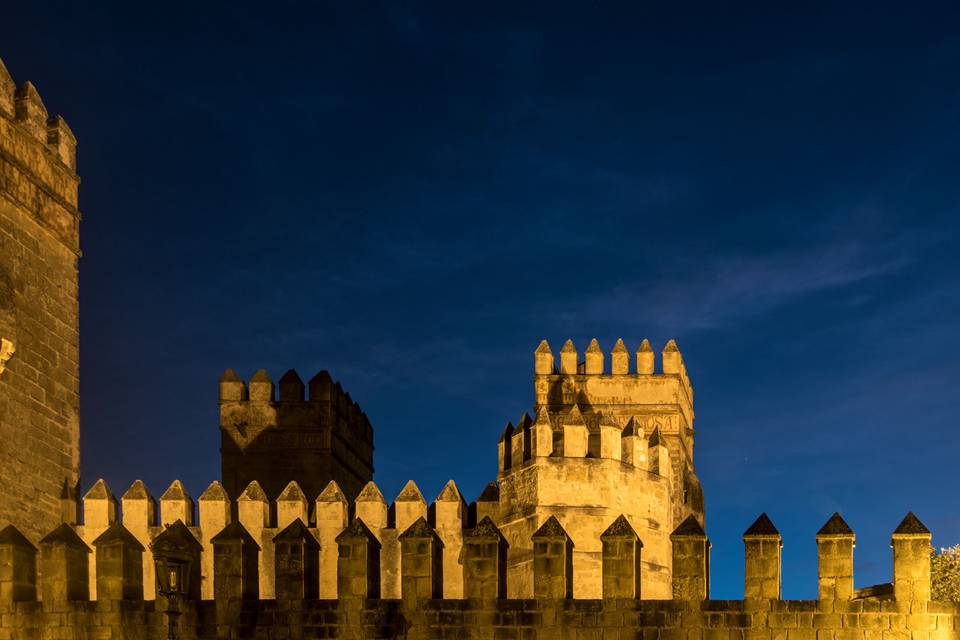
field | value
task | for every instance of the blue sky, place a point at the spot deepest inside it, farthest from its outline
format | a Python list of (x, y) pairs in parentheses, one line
[(413, 196)]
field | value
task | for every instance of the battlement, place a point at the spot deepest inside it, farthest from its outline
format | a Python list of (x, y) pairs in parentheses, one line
[(367, 565), (594, 365), (453, 521), (38, 160), (567, 436), (310, 433)]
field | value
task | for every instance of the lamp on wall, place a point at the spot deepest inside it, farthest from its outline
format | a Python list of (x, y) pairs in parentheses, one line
[(175, 552)]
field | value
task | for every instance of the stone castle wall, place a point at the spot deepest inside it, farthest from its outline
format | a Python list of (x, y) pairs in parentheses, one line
[(39, 250), (900, 610)]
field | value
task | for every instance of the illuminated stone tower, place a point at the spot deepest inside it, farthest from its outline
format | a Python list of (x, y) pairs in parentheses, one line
[(604, 441), (39, 345)]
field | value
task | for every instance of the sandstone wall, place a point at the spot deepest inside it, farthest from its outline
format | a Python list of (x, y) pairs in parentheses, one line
[(900, 610), (39, 250)]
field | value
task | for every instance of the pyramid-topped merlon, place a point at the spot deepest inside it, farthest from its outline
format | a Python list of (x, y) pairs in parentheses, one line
[(296, 531), (620, 528), (253, 493), (358, 530), (689, 528), (551, 529), (64, 535), (762, 527), (292, 493), (176, 537), (421, 529), (371, 493), (233, 532), (99, 491), (450, 493), (11, 536), (332, 493), (214, 492), (485, 529), (911, 525), (117, 533), (410, 493), (490, 493), (835, 526), (137, 491)]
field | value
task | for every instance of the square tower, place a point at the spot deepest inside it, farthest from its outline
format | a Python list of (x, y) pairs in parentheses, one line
[(39, 337), (314, 439)]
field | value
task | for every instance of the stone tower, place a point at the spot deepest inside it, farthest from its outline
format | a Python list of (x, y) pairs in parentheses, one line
[(312, 440), (39, 346), (604, 441)]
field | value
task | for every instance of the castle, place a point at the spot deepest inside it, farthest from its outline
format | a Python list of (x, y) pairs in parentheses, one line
[(594, 527)]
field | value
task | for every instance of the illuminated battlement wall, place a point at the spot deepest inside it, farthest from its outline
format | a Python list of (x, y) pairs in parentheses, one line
[(362, 608)]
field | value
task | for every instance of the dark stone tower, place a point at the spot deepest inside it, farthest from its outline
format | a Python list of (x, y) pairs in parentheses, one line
[(273, 441)]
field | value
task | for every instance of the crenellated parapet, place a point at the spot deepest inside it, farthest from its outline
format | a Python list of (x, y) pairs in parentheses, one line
[(590, 381), (442, 535), (275, 434), (361, 606), (38, 159)]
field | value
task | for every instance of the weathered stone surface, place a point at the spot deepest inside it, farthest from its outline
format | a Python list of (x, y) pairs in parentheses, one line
[(297, 563), (275, 441), (581, 465), (358, 565), (911, 561), (39, 340), (235, 566), (762, 545), (119, 564), (18, 567)]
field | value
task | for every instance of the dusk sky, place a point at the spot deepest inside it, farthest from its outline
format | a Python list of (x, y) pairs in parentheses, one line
[(413, 196)]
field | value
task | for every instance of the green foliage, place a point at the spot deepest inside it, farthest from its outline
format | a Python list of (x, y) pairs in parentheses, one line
[(945, 574)]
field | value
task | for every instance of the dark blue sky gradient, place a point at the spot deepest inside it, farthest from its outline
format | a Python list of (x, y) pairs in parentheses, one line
[(412, 197)]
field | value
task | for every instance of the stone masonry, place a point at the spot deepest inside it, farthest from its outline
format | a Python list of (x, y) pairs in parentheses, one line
[(605, 441), (60, 605), (594, 529), (39, 345), (314, 439)]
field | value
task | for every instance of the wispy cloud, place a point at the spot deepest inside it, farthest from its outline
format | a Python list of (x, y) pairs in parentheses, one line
[(719, 290)]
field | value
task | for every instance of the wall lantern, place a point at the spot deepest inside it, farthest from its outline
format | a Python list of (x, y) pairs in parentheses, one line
[(176, 556)]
